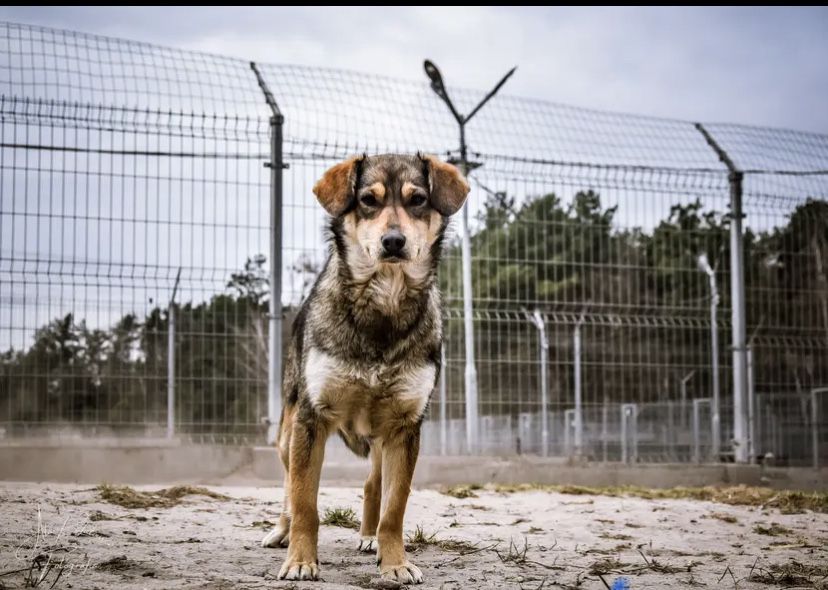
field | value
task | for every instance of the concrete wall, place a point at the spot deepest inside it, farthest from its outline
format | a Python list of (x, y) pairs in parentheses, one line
[(121, 464), (170, 463)]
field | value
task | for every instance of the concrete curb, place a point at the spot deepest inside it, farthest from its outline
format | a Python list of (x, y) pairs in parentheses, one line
[(146, 464)]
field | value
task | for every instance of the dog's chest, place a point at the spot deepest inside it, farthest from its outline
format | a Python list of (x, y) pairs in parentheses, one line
[(343, 392)]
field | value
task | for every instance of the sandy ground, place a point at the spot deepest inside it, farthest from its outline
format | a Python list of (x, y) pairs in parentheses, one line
[(562, 541)]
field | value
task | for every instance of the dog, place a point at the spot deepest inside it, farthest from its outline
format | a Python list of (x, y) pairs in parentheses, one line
[(364, 354)]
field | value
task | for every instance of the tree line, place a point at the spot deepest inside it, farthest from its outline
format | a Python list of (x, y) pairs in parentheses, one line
[(543, 253)]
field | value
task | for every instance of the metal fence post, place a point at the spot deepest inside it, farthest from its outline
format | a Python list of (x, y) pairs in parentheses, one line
[(741, 420), (437, 85), (274, 349), (814, 429), (715, 414), (579, 433), (696, 442), (758, 429), (443, 409), (624, 440), (544, 360), (697, 404), (815, 423), (470, 372), (171, 371), (738, 308), (683, 393), (543, 354), (604, 429), (629, 414), (569, 419), (751, 401), (171, 361)]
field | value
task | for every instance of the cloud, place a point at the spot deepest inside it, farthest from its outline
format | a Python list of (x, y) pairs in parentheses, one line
[(762, 66)]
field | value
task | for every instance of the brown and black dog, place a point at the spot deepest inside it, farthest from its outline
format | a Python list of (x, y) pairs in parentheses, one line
[(365, 351)]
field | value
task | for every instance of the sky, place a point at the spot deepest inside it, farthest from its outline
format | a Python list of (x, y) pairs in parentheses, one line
[(759, 66)]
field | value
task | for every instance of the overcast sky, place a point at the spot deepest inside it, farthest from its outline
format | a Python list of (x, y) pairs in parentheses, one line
[(761, 66)]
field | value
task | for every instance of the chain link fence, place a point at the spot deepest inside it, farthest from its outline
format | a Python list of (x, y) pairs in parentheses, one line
[(127, 167)]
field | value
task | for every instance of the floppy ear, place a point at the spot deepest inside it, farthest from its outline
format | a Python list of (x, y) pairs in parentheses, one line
[(447, 185), (335, 189)]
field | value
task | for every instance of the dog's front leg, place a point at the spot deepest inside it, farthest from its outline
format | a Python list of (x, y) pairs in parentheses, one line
[(307, 450), (371, 502), (399, 457)]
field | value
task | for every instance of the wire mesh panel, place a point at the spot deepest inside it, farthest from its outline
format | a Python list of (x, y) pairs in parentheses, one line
[(124, 162), (786, 280), (611, 258), (122, 165)]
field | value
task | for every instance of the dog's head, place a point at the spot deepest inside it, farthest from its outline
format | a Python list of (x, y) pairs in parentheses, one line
[(392, 209)]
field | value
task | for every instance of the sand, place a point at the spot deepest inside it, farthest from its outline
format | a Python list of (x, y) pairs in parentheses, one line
[(524, 540)]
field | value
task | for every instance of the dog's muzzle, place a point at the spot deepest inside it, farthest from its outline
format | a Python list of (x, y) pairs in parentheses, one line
[(392, 244)]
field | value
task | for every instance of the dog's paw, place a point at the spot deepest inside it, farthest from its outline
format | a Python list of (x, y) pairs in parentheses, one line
[(278, 537), (368, 544), (405, 573), (299, 570)]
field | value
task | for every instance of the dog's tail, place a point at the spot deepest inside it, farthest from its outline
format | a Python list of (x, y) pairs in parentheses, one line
[(358, 444)]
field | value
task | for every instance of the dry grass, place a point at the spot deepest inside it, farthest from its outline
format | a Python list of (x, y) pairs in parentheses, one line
[(602, 567), (456, 545), (792, 574), (463, 491), (97, 516), (724, 517), (661, 568), (515, 553), (341, 517), (774, 530), (787, 501), (419, 539), (128, 497)]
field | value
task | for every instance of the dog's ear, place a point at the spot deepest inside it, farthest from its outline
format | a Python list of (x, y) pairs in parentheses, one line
[(446, 184), (335, 190)]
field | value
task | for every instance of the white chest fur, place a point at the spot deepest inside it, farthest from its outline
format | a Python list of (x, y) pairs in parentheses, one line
[(339, 387)]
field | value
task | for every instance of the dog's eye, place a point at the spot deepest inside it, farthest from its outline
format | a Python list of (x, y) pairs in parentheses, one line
[(417, 201), (368, 201)]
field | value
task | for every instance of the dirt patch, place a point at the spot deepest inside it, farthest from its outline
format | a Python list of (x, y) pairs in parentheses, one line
[(787, 501), (117, 564), (128, 497)]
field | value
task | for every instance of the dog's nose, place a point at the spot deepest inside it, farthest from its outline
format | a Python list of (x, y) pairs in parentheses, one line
[(393, 242)]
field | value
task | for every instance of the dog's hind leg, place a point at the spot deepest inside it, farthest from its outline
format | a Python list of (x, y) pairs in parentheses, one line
[(371, 502), (307, 451), (399, 457), (280, 535)]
